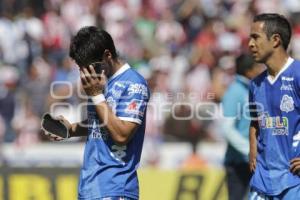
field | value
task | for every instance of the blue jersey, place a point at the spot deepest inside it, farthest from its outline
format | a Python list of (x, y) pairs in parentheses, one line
[(109, 169), (278, 112)]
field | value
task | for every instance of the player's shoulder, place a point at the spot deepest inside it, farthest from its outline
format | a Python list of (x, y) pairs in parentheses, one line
[(135, 77), (295, 65), (136, 83), (296, 62), (259, 79)]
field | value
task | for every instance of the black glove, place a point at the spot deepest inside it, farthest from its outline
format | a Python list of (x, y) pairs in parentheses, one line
[(54, 128)]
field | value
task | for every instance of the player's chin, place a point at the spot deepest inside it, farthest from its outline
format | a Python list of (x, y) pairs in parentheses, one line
[(257, 59)]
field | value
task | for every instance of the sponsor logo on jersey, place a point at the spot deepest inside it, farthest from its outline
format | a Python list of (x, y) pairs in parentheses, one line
[(284, 78), (287, 87), (134, 106), (287, 104), (138, 89), (96, 131), (277, 123), (118, 88)]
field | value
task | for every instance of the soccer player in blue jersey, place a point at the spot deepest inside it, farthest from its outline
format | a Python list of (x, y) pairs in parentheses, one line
[(118, 98), (275, 111)]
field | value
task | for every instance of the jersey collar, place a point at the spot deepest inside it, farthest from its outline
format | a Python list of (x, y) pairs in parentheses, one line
[(286, 65), (120, 71)]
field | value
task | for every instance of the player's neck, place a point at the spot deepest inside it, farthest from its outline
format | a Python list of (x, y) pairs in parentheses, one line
[(276, 62), (117, 64)]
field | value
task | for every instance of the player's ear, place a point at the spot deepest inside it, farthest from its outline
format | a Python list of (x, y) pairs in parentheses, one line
[(107, 54), (276, 39), (107, 57)]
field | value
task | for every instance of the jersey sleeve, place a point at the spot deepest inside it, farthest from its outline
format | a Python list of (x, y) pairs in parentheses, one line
[(133, 103)]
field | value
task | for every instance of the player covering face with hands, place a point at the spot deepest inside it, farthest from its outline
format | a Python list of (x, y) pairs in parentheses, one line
[(115, 124)]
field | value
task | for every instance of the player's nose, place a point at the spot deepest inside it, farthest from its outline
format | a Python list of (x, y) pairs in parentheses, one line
[(251, 45)]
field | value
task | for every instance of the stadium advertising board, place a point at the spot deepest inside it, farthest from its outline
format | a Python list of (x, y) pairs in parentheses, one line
[(61, 184)]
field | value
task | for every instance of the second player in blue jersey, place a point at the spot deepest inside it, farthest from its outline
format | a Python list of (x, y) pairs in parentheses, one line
[(275, 105)]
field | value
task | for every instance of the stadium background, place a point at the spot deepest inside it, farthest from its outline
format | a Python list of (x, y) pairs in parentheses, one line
[(184, 48)]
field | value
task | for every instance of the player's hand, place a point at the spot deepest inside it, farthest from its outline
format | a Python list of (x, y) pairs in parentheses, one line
[(252, 165), (53, 137), (92, 83), (252, 161), (295, 166)]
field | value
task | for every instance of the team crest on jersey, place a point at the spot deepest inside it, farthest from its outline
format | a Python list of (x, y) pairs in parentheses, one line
[(287, 104)]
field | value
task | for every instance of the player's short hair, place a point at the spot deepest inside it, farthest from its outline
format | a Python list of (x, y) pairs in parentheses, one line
[(89, 44), (244, 63), (276, 24)]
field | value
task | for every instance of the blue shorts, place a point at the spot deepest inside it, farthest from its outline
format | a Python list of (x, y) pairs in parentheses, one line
[(117, 198), (292, 193)]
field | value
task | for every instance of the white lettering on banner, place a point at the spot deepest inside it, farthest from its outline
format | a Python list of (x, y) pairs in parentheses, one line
[(138, 89)]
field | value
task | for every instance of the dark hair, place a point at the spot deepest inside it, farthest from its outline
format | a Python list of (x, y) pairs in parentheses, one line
[(89, 44), (244, 63), (276, 24)]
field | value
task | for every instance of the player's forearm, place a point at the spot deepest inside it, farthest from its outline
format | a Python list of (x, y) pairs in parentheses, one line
[(119, 130), (79, 129), (253, 133), (253, 142)]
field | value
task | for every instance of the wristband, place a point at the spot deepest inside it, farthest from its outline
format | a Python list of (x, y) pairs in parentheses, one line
[(98, 99)]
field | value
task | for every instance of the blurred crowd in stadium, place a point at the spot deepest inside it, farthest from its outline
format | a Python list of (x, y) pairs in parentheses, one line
[(186, 49)]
